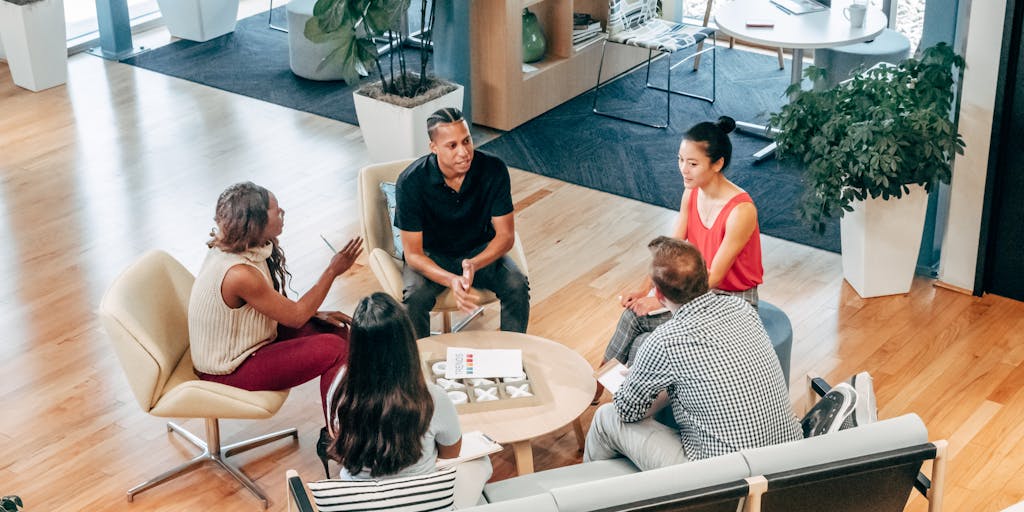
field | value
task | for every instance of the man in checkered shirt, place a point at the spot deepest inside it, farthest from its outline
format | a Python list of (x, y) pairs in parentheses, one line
[(712, 363)]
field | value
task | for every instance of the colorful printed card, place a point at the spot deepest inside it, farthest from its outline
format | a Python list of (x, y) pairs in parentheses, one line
[(464, 363)]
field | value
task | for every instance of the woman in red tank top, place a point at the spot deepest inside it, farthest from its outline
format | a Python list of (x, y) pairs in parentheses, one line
[(716, 216)]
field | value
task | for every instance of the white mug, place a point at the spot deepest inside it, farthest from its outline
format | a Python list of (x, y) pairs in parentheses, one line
[(855, 13)]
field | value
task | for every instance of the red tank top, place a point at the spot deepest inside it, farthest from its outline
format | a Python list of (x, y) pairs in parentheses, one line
[(746, 271)]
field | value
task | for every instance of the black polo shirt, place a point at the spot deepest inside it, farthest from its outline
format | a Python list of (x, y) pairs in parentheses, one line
[(453, 223)]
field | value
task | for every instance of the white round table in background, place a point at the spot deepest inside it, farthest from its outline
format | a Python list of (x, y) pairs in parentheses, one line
[(823, 29)]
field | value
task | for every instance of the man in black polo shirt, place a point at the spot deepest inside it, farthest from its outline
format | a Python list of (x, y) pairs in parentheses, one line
[(454, 211)]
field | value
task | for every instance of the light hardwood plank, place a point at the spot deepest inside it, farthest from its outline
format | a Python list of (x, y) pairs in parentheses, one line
[(122, 160)]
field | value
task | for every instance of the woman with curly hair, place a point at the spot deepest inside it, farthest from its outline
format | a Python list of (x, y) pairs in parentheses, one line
[(388, 420), (244, 330)]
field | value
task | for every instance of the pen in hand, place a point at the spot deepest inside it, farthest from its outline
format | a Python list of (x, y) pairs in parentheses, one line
[(329, 246)]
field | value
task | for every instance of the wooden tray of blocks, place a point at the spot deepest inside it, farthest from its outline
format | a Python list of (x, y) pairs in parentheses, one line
[(478, 395)]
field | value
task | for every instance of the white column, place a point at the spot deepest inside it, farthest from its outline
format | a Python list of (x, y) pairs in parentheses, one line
[(977, 103)]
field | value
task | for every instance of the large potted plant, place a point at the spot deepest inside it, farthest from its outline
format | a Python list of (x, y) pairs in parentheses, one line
[(393, 110), (35, 41), (199, 20), (872, 148)]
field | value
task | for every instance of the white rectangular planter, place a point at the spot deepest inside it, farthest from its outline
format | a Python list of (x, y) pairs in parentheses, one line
[(199, 20), (35, 42), (394, 133), (881, 240)]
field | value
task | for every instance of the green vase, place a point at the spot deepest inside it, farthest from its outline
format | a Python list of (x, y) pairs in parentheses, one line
[(533, 38)]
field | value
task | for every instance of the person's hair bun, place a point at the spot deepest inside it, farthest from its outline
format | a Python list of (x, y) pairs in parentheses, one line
[(726, 123)]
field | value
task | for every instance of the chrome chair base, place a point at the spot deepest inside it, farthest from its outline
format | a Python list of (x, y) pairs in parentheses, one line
[(668, 89), (217, 455), (270, 20)]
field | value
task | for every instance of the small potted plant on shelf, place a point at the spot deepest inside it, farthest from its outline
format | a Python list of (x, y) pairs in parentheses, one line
[(35, 42), (392, 111), (872, 148)]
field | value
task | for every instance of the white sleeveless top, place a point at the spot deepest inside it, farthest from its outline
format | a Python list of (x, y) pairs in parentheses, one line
[(221, 337)]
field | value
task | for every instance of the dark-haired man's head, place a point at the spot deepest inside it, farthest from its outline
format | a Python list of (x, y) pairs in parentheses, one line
[(451, 141), (446, 115), (677, 270)]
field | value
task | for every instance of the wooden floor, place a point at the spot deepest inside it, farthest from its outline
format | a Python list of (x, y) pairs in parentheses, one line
[(123, 160)]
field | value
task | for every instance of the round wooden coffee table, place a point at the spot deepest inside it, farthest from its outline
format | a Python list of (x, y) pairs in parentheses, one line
[(568, 377)]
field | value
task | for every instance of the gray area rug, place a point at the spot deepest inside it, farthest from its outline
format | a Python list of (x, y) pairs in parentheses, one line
[(569, 142)]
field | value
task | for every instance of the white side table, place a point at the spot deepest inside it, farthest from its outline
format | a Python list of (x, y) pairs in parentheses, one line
[(799, 32)]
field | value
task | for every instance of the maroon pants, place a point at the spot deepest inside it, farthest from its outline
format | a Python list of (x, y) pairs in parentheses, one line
[(297, 356)]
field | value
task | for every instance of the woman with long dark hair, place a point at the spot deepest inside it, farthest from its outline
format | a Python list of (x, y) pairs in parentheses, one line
[(244, 330), (388, 420)]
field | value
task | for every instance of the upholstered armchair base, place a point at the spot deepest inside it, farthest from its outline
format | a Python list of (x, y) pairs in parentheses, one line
[(215, 453)]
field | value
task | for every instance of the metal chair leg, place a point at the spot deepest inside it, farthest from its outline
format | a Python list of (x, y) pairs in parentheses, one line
[(600, 67), (212, 451), (668, 89), (270, 20)]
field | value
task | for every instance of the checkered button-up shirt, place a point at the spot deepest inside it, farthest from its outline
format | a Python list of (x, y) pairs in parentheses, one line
[(723, 379)]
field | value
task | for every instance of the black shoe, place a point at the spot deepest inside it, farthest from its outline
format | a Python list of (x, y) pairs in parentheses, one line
[(321, 449)]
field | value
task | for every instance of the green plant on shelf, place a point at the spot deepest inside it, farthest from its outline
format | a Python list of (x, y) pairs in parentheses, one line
[(874, 135)]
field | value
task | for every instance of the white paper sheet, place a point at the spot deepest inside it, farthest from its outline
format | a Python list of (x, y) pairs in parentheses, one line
[(463, 363), (612, 375)]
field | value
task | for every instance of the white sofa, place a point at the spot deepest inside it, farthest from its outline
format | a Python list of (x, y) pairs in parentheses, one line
[(800, 470)]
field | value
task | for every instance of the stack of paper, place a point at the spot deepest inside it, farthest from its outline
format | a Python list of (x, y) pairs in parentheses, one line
[(799, 6), (583, 33), (475, 444), (611, 375)]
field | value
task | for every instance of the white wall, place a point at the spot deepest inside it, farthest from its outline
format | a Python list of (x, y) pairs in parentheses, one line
[(967, 189)]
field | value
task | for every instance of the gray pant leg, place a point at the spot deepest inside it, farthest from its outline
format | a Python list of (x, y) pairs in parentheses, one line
[(631, 326), (513, 290), (470, 477), (647, 443)]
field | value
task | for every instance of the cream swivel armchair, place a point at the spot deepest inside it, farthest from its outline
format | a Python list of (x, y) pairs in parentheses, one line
[(379, 237), (145, 313)]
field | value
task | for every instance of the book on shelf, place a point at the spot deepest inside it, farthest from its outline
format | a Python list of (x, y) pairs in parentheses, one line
[(579, 44), (579, 36), (593, 27), (581, 20), (475, 444)]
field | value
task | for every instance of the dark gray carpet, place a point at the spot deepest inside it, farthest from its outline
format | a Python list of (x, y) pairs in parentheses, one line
[(252, 61), (567, 143), (572, 144)]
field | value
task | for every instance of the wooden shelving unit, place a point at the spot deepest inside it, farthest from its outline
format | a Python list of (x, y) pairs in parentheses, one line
[(504, 96)]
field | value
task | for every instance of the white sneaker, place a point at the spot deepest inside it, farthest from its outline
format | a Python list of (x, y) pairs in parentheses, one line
[(866, 410)]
